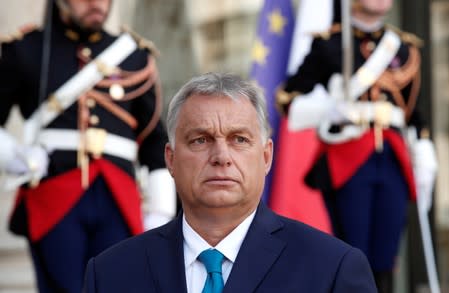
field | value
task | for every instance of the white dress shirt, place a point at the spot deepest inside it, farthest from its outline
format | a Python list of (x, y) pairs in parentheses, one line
[(196, 273)]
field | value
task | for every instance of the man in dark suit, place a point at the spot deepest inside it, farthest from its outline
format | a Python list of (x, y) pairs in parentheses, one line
[(219, 152)]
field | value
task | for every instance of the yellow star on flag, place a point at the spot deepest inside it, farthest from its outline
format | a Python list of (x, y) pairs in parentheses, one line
[(259, 52), (277, 22)]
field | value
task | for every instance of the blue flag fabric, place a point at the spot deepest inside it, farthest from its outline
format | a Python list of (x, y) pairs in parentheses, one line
[(270, 55)]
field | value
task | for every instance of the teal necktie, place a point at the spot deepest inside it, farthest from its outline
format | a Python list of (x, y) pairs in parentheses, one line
[(212, 259)]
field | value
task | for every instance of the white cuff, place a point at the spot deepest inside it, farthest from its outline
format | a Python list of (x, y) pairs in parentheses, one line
[(154, 220), (160, 193), (7, 148), (308, 110)]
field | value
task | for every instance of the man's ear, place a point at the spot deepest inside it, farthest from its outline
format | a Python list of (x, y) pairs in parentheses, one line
[(168, 155), (268, 155)]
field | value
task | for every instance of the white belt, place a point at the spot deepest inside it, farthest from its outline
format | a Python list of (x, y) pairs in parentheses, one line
[(360, 112), (69, 140)]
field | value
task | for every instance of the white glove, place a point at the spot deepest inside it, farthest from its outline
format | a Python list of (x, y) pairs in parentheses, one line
[(29, 159), (340, 112), (154, 220), (308, 110), (159, 196), (425, 168), (7, 148)]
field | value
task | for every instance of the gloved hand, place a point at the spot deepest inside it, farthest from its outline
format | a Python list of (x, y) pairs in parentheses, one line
[(153, 220), (28, 159), (425, 168), (308, 110), (341, 112), (7, 148), (159, 197)]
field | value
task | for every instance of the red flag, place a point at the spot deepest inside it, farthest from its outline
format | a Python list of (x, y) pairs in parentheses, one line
[(282, 43), (290, 196)]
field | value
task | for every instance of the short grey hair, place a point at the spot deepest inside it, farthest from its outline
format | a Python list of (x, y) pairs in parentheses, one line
[(215, 85)]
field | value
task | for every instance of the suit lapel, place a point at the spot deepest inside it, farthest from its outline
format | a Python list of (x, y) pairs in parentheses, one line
[(166, 258), (257, 254)]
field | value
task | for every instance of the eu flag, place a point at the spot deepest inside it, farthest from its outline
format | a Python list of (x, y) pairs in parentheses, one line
[(280, 44), (270, 55)]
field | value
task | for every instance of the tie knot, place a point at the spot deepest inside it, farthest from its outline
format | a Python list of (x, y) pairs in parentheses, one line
[(212, 259)]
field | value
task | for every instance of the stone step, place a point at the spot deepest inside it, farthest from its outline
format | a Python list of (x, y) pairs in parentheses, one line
[(16, 274)]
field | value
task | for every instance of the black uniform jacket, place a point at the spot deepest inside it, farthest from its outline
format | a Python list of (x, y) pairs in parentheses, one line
[(20, 75), (399, 84)]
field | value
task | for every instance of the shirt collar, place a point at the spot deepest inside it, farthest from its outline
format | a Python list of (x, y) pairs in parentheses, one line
[(229, 246)]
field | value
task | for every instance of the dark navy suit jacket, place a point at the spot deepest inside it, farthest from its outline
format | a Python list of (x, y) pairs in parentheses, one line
[(277, 255)]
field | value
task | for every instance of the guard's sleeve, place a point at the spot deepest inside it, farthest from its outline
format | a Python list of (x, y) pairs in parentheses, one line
[(151, 149), (314, 70), (147, 111), (10, 80), (411, 88)]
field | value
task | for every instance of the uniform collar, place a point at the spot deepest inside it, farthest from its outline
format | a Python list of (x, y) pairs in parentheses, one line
[(73, 32), (368, 35), (77, 36)]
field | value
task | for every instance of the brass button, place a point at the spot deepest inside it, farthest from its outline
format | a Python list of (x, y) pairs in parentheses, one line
[(90, 103), (86, 52), (94, 120), (116, 91), (371, 45)]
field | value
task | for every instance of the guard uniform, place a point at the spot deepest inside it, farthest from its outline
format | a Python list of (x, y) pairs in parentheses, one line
[(371, 185), (89, 200)]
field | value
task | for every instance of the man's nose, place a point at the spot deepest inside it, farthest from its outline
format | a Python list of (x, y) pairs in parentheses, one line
[(220, 154)]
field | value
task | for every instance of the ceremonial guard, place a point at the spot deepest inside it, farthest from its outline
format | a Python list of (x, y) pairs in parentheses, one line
[(91, 103), (369, 166)]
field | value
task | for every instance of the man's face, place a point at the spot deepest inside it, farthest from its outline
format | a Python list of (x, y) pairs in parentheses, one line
[(219, 161), (89, 14), (376, 7)]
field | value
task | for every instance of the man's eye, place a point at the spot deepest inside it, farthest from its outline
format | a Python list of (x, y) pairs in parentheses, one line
[(199, 140), (241, 139)]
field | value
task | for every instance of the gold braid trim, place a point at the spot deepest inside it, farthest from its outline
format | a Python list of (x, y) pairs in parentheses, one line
[(394, 80), (105, 101), (157, 109), (387, 83), (148, 75), (406, 37), (142, 42), (416, 85), (283, 99), (409, 73), (335, 28), (404, 74), (129, 78), (19, 33)]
